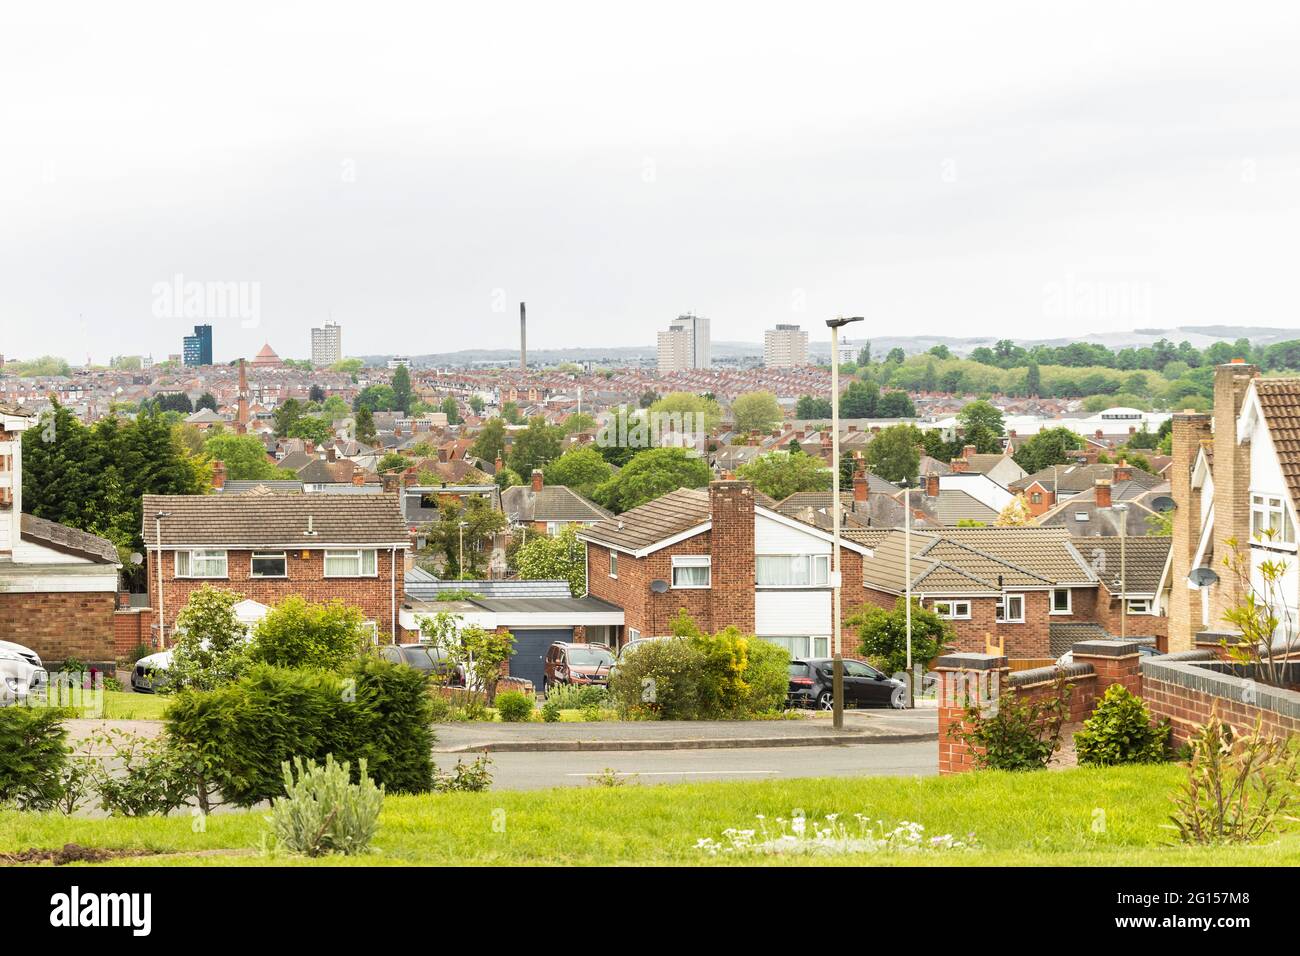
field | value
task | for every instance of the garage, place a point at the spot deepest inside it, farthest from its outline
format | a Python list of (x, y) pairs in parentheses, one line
[(530, 651)]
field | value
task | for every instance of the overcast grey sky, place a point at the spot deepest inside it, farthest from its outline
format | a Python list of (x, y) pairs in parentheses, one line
[(414, 170)]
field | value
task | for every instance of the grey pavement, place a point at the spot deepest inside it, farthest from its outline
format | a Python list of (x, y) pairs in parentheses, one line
[(535, 771), (860, 728)]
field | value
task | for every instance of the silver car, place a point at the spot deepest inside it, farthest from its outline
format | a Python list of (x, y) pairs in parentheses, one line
[(22, 675)]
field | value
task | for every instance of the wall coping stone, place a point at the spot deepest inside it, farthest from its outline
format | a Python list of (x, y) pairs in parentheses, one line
[(1194, 676), (1047, 675), (970, 662), (1097, 648)]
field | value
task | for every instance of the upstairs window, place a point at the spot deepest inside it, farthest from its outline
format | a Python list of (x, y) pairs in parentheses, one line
[(351, 564), (691, 571), (952, 610), (1061, 601), (201, 564), (792, 570), (1270, 521), (613, 564), (268, 564)]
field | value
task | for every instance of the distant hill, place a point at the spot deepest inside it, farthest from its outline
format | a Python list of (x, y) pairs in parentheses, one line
[(1198, 335)]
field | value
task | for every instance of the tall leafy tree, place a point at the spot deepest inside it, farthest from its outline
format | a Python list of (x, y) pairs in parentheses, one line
[(896, 404), (481, 521), (893, 453), (1049, 447), (206, 400), (401, 386), (581, 469), (288, 412), (365, 426), (809, 407), (244, 456), (756, 412), (859, 400), (491, 440), (651, 473), (982, 426), (536, 445), (546, 557), (451, 410), (780, 474)]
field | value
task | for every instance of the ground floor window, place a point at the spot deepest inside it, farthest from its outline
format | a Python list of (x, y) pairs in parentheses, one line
[(1139, 605), (1011, 609), (803, 646), (952, 610)]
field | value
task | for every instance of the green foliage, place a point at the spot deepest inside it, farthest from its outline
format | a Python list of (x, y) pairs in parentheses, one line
[(658, 681), (364, 430), (809, 407), (481, 521), (579, 422), (1018, 734), (490, 442), (210, 648), (312, 428), (33, 755), (474, 778), (286, 416), (349, 366), (377, 398), (883, 634), (859, 400), (550, 710), (146, 776), (244, 456), (651, 473), (240, 734), (1120, 731), (893, 454), (577, 696), (401, 387), (95, 478), (895, 404), (45, 366), (536, 445), (298, 633), (392, 461), (580, 469), (756, 412), (982, 426), (1238, 789), (323, 812), (545, 557), (451, 410), (779, 474), (681, 403), (514, 706), (1049, 447)]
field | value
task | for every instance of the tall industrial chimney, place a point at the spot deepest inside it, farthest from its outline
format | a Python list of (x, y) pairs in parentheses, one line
[(523, 339)]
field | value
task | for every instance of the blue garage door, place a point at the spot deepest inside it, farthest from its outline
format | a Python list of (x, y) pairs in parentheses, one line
[(530, 652)]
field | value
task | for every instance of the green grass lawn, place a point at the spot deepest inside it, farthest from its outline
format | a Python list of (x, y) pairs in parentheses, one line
[(124, 705), (1043, 818)]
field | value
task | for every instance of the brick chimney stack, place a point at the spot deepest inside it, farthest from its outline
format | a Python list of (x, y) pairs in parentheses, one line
[(499, 465), (218, 475), (1191, 432), (1123, 471), (537, 479), (932, 485), (958, 465), (731, 550), (1103, 492), (1231, 477), (860, 489), (968, 452)]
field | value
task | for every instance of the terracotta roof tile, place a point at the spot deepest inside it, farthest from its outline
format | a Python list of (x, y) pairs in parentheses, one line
[(1279, 398), (265, 519)]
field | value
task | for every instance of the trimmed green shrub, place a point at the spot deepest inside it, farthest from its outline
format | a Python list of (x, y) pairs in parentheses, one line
[(514, 706), (298, 633), (577, 696), (243, 733), (550, 711), (33, 752), (322, 811), (1120, 731), (658, 680), (767, 676)]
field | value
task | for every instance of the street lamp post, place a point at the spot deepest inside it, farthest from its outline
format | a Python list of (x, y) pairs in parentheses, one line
[(837, 659), (1122, 511), (907, 578)]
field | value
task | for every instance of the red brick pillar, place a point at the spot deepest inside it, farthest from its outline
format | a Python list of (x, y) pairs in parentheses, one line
[(1114, 662), (965, 679)]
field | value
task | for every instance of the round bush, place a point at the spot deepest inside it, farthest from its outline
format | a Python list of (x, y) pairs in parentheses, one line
[(1120, 731), (658, 680), (514, 706)]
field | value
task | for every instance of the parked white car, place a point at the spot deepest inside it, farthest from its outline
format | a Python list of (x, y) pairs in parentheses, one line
[(150, 672), (21, 673)]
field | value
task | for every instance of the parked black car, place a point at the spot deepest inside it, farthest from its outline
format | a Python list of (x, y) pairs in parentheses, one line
[(423, 657), (811, 685)]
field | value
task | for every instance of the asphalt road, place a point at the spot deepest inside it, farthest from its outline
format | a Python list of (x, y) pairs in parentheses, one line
[(534, 771)]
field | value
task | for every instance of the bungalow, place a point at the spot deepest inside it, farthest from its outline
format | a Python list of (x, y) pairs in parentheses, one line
[(547, 508)]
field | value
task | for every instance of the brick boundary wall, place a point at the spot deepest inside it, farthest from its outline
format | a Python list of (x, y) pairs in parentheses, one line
[(62, 624), (1097, 665), (1184, 687), (132, 627)]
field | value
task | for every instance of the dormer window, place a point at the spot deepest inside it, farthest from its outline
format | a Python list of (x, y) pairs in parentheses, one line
[(1270, 520)]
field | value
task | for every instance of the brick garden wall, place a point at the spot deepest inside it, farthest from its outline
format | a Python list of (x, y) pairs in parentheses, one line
[(62, 624), (1185, 690)]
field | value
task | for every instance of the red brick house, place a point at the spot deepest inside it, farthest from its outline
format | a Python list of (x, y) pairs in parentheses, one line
[(268, 546), (58, 585), (728, 560)]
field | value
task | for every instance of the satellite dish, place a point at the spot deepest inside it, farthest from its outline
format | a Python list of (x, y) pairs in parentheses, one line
[(137, 557), (1163, 503), (659, 587), (1203, 577)]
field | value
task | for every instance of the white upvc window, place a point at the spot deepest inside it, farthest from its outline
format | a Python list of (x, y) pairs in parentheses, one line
[(1139, 605), (371, 630), (208, 563), (1011, 609), (802, 647), (792, 570), (952, 610), (361, 563), (1081, 516), (613, 563), (1268, 513), (268, 564), (692, 571), (1061, 603)]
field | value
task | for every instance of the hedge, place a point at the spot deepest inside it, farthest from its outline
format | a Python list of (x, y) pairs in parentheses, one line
[(242, 733), (33, 751)]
